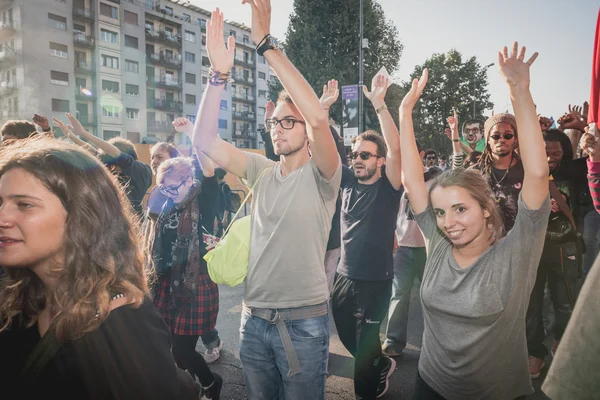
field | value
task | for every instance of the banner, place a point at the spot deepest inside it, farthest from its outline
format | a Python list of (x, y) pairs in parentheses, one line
[(350, 112)]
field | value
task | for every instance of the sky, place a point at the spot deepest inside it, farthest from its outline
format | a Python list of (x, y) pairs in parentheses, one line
[(562, 31)]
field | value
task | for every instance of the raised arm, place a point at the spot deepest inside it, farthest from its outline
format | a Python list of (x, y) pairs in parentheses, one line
[(184, 125), (412, 166), (393, 164), (322, 145), (457, 154), (205, 138), (71, 136), (515, 72), (107, 148), (330, 95)]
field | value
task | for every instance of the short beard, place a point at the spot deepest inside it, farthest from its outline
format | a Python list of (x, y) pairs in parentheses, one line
[(369, 173), (288, 152), (502, 154)]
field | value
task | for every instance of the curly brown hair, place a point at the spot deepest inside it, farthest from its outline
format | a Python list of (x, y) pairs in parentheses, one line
[(102, 255)]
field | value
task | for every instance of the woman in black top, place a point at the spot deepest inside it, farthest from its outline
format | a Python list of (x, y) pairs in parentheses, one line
[(76, 320)]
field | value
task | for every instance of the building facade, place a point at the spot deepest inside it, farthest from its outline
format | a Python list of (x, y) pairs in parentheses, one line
[(126, 68)]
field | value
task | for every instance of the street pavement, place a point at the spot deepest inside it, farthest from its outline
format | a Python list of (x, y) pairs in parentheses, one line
[(341, 364)]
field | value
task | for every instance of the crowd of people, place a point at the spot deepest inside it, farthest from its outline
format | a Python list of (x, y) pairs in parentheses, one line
[(104, 295)]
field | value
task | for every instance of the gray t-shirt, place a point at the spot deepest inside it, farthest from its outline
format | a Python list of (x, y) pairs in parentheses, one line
[(575, 369), (291, 220), (474, 344)]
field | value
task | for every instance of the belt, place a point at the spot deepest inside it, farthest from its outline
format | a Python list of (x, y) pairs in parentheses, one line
[(278, 317)]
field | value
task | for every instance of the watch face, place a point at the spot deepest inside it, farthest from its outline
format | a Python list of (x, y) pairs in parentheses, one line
[(273, 42)]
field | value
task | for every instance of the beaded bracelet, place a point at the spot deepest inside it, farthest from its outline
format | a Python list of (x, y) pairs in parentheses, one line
[(217, 78)]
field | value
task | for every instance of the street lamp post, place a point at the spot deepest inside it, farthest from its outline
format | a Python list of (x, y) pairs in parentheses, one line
[(475, 90), (360, 72)]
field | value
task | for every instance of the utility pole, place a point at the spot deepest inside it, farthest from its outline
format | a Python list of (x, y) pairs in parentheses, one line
[(360, 75)]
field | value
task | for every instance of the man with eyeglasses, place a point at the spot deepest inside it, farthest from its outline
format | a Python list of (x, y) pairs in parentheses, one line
[(501, 165), (363, 282), (473, 135), (284, 334)]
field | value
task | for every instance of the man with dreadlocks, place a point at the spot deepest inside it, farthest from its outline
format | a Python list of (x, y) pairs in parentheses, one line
[(501, 165)]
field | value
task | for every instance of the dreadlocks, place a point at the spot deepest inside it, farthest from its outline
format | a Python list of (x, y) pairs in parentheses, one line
[(486, 161)]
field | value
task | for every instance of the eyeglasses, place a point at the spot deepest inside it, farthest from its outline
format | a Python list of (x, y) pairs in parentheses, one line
[(474, 130), (170, 191), (364, 155), (506, 136), (286, 123)]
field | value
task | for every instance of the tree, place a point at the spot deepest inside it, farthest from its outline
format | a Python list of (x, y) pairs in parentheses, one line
[(450, 85), (323, 43)]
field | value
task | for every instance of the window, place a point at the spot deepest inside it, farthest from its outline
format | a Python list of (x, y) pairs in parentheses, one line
[(58, 50), (203, 25), (78, 28), (133, 113), (261, 59), (204, 80), (131, 41), (192, 118), (205, 61), (110, 111), (109, 11), (59, 78), (262, 94), (190, 36), (80, 83), (262, 76), (60, 105), (246, 39), (110, 86), (261, 110), (187, 17), (190, 99), (169, 10), (57, 22), (109, 36), (110, 134), (232, 33), (131, 17), (222, 124), (204, 40), (132, 90), (132, 66), (110, 62), (223, 104), (190, 78), (190, 57)]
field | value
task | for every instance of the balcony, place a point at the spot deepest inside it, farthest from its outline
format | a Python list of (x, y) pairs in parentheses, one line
[(10, 114), (164, 59), (160, 126), (79, 95), (8, 56), (83, 14), (243, 97), (162, 36), (87, 120), (244, 135), (164, 81), (245, 62), (244, 115), (247, 43), (247, 80), (165, 105), (80, 39), (84, 68), (7, 27), (6, 88)]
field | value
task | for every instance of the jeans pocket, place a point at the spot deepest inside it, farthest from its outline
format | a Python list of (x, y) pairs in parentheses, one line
[(245, 318), (569, 261), (309, 328)]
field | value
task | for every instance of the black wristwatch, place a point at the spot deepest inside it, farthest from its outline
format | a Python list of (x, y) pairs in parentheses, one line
[(268, 43)]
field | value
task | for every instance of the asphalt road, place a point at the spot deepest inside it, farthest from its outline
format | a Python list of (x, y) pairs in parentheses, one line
[(339, 383)]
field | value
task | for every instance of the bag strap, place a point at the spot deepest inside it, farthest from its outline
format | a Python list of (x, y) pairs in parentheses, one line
[(243, 202), (562, 204)]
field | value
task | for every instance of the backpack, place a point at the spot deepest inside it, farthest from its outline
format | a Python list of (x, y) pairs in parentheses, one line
[(232, 202)]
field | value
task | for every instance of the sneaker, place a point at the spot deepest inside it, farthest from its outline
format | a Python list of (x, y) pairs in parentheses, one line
[(386, 372), (554, 347), (389, 350), (213, 355), (535, 366), (213, 391)]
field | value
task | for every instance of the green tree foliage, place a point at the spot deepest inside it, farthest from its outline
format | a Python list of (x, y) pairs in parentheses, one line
[(323, 43), (450, 86)]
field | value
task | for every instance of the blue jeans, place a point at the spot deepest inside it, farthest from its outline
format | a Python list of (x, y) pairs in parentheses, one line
[(409, 262), (265, 365)]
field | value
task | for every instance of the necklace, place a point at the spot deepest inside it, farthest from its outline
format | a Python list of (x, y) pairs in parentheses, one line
[(499, 182)]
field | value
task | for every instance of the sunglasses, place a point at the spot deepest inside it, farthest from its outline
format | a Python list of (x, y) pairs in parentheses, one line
[(431, 158), (506, 136), (364, 155)]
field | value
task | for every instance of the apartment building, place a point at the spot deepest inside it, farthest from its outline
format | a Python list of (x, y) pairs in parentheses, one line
[(125, 67)]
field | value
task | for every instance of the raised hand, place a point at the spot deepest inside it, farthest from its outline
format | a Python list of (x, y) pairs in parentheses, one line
[(220, 56), (76, 126), (513, 69), (269, 110), (418, 85), (261, 18), (182, 124), (330, 94), (42, 121), (376, 96), (453, 123), (591, 145), (63, 127)]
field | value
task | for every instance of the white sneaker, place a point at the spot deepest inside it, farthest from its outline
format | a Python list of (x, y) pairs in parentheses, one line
[(212, 355)]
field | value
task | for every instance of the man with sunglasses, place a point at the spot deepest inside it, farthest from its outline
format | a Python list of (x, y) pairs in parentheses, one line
[(501, 166), (363, 283)]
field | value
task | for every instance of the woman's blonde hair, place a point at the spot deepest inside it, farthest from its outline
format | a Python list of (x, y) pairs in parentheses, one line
[(479, 189), (178, 168), (102, 255)]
